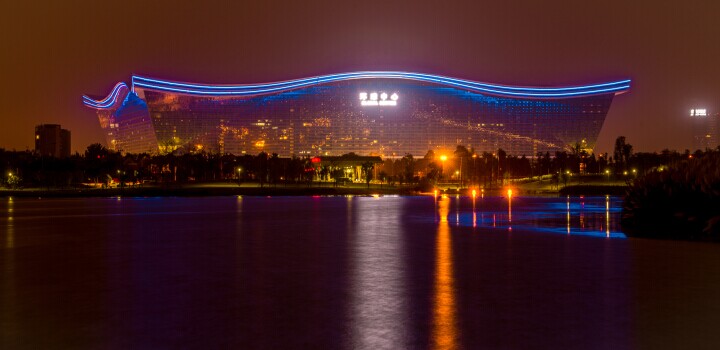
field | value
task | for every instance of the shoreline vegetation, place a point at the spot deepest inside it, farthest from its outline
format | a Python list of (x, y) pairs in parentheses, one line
[(680, 202), (314, 189), (667, 195)]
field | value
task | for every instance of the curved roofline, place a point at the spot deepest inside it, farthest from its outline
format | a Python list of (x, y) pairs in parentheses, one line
[(275, 87), (109, 101), (248, 90)]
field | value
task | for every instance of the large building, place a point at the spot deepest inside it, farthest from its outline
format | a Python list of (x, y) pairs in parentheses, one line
[(705, 129), (52, 140), (386, 114)]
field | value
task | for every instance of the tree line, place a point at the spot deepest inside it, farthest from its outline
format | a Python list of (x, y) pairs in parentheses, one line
[(464, 165)]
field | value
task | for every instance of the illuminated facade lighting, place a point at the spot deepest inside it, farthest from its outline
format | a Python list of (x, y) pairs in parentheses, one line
[(270, 88), (706, 128), (373, 99), (321, 115), (698, 112)]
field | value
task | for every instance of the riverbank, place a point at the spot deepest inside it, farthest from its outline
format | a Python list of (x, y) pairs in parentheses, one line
[(207, 190), (314, 189)]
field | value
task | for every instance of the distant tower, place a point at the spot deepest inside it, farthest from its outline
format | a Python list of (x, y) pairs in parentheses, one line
[(705, 129), (52, 140), (714, 130)]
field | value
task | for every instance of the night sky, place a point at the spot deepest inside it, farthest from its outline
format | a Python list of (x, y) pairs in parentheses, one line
[(53, 53)]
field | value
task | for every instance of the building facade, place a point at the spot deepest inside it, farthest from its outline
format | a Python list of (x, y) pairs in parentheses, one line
[(705, 128), (387, 114), (52, 140)]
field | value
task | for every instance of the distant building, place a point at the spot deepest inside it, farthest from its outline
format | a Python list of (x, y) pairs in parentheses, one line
[(386, 114), (705, 129), (52, 140)]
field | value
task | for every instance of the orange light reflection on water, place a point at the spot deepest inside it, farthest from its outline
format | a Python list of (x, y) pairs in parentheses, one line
[(607, 216), (10, 238), (473, 211), (444, 328), (509, 210)]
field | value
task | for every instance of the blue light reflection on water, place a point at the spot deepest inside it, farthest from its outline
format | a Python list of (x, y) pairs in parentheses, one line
[(578, 216)]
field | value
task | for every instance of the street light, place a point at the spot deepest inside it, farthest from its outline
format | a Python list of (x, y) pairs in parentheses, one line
[(607, 172), (473, 173)]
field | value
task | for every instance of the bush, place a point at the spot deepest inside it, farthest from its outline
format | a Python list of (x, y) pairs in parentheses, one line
[(682, 202)]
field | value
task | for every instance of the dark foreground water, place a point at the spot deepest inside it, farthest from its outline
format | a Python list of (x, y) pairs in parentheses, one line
[(346, 272)]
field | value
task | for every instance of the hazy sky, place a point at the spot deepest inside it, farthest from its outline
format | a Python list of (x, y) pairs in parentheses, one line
[(53, 53)]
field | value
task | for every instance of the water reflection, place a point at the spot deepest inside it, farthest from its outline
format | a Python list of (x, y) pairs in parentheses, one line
[(444, 332), (8, 288), (379, 310), (509, 210), (10, 227), (607, 216), (345, 273), (474, 195), (457, 210), (587, 216), (568, 214)]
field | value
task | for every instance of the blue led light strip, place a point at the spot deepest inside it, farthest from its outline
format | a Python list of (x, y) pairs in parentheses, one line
[(276, 87), (190, 91), (108, 101), (360, 75)]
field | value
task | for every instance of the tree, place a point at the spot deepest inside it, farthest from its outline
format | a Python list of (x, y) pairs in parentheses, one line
[(261, 167), (96, 161), (622, 153), (463, 156), (383, 177), (367, 168), (408, 167), (501, 163)]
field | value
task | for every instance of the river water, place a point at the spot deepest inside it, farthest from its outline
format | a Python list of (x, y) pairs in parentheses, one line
[(346, 272)]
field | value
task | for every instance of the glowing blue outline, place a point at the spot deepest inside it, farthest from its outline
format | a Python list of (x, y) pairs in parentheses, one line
[(291, 87), (108, 101), (374, 74), (115, 90), (273, 87)]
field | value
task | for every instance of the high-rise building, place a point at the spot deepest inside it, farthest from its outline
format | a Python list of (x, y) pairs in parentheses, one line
[(386, 114), (52, 140), (705, 129)]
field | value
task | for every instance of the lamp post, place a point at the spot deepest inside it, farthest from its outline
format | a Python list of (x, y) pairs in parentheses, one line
[(607, 172), (474, 171)]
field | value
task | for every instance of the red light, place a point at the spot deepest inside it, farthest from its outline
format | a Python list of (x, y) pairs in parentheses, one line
[(315, 160)]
